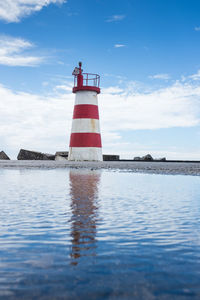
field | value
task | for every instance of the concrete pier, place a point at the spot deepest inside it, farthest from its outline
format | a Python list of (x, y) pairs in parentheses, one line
[(167, 168)]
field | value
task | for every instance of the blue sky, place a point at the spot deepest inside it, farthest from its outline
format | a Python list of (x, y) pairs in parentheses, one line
[(146, 51)]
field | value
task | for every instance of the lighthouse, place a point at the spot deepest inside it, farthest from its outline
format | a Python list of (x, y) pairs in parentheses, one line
[(85, 141)]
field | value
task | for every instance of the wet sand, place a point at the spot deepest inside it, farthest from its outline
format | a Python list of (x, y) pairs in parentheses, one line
[(172, 168)]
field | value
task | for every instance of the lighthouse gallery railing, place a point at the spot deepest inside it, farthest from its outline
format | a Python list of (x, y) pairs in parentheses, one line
[(89, 79)]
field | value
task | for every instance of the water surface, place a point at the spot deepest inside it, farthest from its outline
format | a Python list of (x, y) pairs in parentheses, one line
[(88, 234)]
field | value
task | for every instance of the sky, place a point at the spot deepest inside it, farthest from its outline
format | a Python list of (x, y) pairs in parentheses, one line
[(146, 52)]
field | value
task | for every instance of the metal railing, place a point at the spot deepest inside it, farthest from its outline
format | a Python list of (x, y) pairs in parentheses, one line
[(89, 79)]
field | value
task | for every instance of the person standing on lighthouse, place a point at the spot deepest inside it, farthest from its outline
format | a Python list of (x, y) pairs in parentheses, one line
[(85, 141)]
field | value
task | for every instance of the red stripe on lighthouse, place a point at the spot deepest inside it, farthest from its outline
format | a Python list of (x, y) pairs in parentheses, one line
[(85, 140), (86, 111)]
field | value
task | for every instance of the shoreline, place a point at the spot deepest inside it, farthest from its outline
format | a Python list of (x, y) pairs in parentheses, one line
[(164, 168)]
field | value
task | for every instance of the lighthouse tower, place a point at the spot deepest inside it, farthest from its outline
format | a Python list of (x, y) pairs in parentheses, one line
[(85, 140)]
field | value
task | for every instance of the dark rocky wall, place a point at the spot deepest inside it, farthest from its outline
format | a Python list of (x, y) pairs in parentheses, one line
[(33, 155), (4, 156)]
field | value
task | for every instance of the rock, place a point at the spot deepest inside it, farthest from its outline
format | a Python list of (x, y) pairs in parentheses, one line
[(4, 156), (33, 155), (48, 156), (147, 157), (61, 155), (60, 158), (162, 159), (107, 157), (137, 158)]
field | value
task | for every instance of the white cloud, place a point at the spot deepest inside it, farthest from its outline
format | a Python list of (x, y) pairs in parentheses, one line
[(65, 86), (43, 123), (160, 76), (119, 45), (33, 122), (197, 28), (195, 76), (177, 106), (14, 10), (112, 90), (12, 52), (45, 83), (174, 106), (116, 18)]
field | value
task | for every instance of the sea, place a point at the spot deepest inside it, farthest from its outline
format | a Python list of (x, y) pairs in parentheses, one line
[(76, 233)]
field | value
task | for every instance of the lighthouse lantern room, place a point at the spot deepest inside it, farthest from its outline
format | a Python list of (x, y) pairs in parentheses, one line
[(85, 140)]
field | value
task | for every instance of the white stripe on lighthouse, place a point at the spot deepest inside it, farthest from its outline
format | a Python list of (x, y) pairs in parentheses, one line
[(85, 153), (85, 125), (86, 97)]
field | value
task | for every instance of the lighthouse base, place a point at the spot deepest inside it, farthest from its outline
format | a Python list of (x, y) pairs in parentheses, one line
[(85, 154)]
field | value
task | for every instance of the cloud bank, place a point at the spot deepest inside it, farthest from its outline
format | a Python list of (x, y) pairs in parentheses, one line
[(15, 10), (33, 121)]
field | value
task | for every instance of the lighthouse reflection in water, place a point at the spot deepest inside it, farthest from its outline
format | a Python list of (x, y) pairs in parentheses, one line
[(84, 208)]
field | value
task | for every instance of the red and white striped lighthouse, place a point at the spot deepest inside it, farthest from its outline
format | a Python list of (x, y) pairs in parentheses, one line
[(85, 141)]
